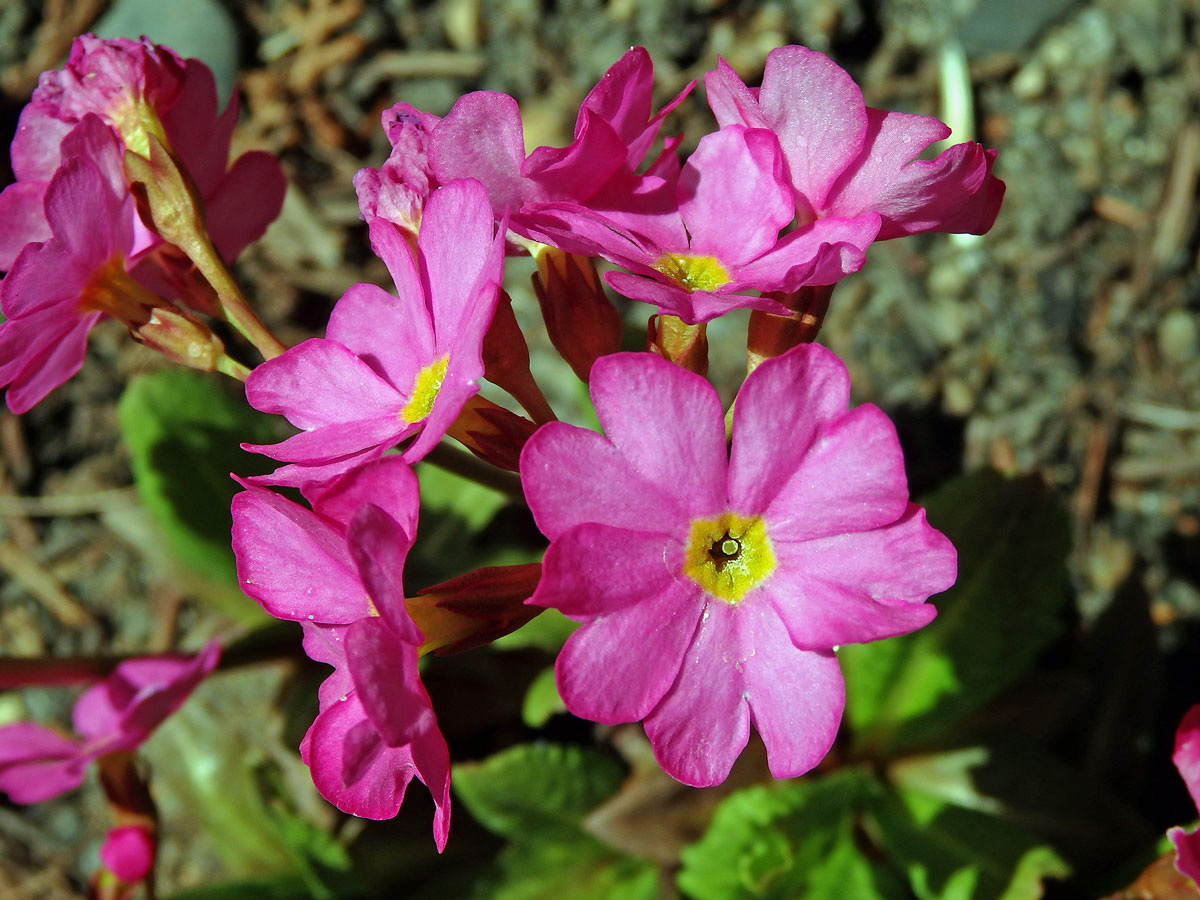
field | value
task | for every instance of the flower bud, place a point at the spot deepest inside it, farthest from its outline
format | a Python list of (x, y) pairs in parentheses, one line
[(582, 322), (181, 338)]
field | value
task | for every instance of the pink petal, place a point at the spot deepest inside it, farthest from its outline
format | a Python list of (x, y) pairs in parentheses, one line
[(85, 216), (35, 147), (1187, 752), (128, 852), (851, 479), (331, 443), (703, 722), (294, 563), (160, 685), (693, 307), (667, 423), (731, 101), (351, 765), (617, 667), (37, 764), (460, 260), (733, 196), (246, 201), (1187, 852), (622, 96), (22, 219), (41, 351), (817, 112), (781, 410), (592, 570), (327, 644), (818, 253), (384, 669), (392, 335), (954, 192), (859, 587), (571, 475), (796, 697), (580, 169), (481, 137), (387, 483), (320, 382), (379, 546)]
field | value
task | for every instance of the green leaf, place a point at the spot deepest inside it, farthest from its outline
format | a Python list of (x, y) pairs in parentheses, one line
[(541, 700), (183, 431), (568, 870), (792, 840), (1012, 537), (533, 791), (537, 795), (951, 853), (276, 887), (549, 631)]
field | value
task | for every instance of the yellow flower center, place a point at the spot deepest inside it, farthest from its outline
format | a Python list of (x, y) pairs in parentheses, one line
[(729, 555), (425, 390), (696, 273)]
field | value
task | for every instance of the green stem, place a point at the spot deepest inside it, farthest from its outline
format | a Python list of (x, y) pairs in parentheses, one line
[(467, 466)]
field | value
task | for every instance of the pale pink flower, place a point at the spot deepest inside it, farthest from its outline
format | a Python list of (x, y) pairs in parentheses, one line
[(1187, 761), (482, 137), (58, 289), (724, 237), (391, 367), (845, 159), (338, 570), (117, 714), (713, 589), (139, 89)]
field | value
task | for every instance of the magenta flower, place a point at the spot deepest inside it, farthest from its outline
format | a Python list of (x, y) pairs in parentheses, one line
[(845, 159), (338, 569), (117, 714), (714, 589), (1187, 761), (58, 289), (697, 263), (128, 853), (139, 89), (482, 137), (391, 367)]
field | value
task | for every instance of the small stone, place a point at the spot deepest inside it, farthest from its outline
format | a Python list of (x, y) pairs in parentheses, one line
[(1177, 337)]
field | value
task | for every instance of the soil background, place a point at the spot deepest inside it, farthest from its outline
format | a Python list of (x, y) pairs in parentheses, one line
[(1063, 343)]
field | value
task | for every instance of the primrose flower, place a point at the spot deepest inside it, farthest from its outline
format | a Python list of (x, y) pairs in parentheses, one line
[(1187, 761), (391, 367), (117, 714), (139, 90), (58, 289), (845, 159), (338, 570), (713, 589), (482, 137), (732, 202)]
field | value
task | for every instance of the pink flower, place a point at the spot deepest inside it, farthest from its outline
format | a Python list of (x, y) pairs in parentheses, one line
[(1187, 761), (714, 589), (731, 201), (845, 159), (117, 714), (338, 569), (482, 137), (391, 367), (139, 89), (58, 289)]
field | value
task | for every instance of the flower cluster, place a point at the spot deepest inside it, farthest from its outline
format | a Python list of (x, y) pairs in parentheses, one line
[(71, 237), (714, 581)]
